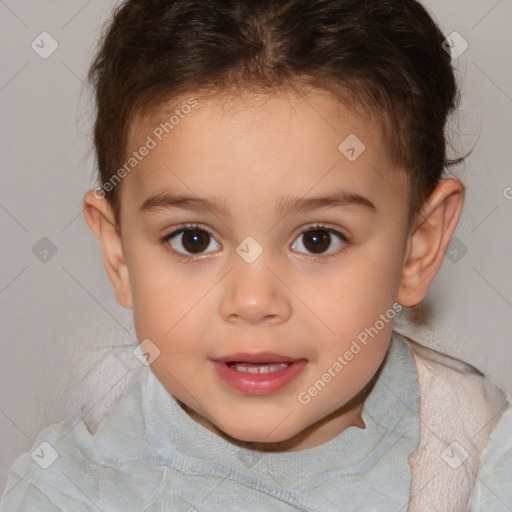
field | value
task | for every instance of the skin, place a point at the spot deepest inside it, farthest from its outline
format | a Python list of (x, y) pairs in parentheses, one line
[(290, 300)]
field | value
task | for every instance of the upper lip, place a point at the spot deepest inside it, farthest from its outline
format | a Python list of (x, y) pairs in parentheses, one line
[(262, 357)]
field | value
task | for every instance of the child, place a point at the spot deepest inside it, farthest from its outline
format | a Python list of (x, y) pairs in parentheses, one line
[(271, 197)]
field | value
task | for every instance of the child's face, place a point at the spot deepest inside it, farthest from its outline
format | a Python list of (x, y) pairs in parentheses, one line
[(305, 297)]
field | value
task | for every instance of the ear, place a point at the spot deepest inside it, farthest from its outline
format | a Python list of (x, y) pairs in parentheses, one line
[(430, 235), (100, 217)]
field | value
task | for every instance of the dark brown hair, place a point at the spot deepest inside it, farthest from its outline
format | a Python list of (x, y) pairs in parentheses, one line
[(382, 56)]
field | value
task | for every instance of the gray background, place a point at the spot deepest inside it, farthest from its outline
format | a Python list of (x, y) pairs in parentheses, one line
[(67, 344)]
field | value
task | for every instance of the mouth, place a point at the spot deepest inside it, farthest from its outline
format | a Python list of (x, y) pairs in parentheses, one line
[(258, 367), (258, 374)]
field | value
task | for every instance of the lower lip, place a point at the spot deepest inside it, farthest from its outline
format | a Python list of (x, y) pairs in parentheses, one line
[(259, 383)]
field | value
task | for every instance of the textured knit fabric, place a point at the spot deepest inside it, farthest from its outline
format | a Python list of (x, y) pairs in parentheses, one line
[(459, 409)]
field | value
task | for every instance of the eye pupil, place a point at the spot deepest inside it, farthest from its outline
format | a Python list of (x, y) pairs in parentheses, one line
[(195, 239), (320, 241)]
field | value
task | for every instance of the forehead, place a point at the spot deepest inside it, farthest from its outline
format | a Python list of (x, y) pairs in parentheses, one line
[(254, 147)]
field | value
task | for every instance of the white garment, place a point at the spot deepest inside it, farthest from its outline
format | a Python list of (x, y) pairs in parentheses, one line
[(459, 409)]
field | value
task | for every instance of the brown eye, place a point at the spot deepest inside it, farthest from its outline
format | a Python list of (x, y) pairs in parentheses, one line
[(193, 241), (317, 240)]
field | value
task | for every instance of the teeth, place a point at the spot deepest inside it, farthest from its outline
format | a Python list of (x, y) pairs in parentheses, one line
[(258, 367)]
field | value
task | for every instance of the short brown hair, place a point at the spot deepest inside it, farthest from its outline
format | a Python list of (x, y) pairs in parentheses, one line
[(385, 55)]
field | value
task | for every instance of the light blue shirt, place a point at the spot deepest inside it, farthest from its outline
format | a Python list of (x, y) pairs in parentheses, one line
[(493, 487), (149, 455)]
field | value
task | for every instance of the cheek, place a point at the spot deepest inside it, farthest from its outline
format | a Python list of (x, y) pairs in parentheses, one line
[(159, 295), (353, 297), (358, 309), (168, 305), (355, 307)]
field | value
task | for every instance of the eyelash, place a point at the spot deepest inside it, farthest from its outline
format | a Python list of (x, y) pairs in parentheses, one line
[(192, 227)]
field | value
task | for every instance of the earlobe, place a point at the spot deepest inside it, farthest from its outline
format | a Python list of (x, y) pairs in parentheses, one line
[(429, 240), (100, 218)]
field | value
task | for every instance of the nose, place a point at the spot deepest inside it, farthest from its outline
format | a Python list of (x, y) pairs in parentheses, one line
[(255, 293)]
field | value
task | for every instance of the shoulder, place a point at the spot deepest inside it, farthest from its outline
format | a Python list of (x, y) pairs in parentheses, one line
[(458, 392), (459, 410), (493, 487), (68, 466)]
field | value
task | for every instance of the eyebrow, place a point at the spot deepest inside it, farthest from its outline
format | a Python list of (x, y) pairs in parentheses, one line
[(285, 205)]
